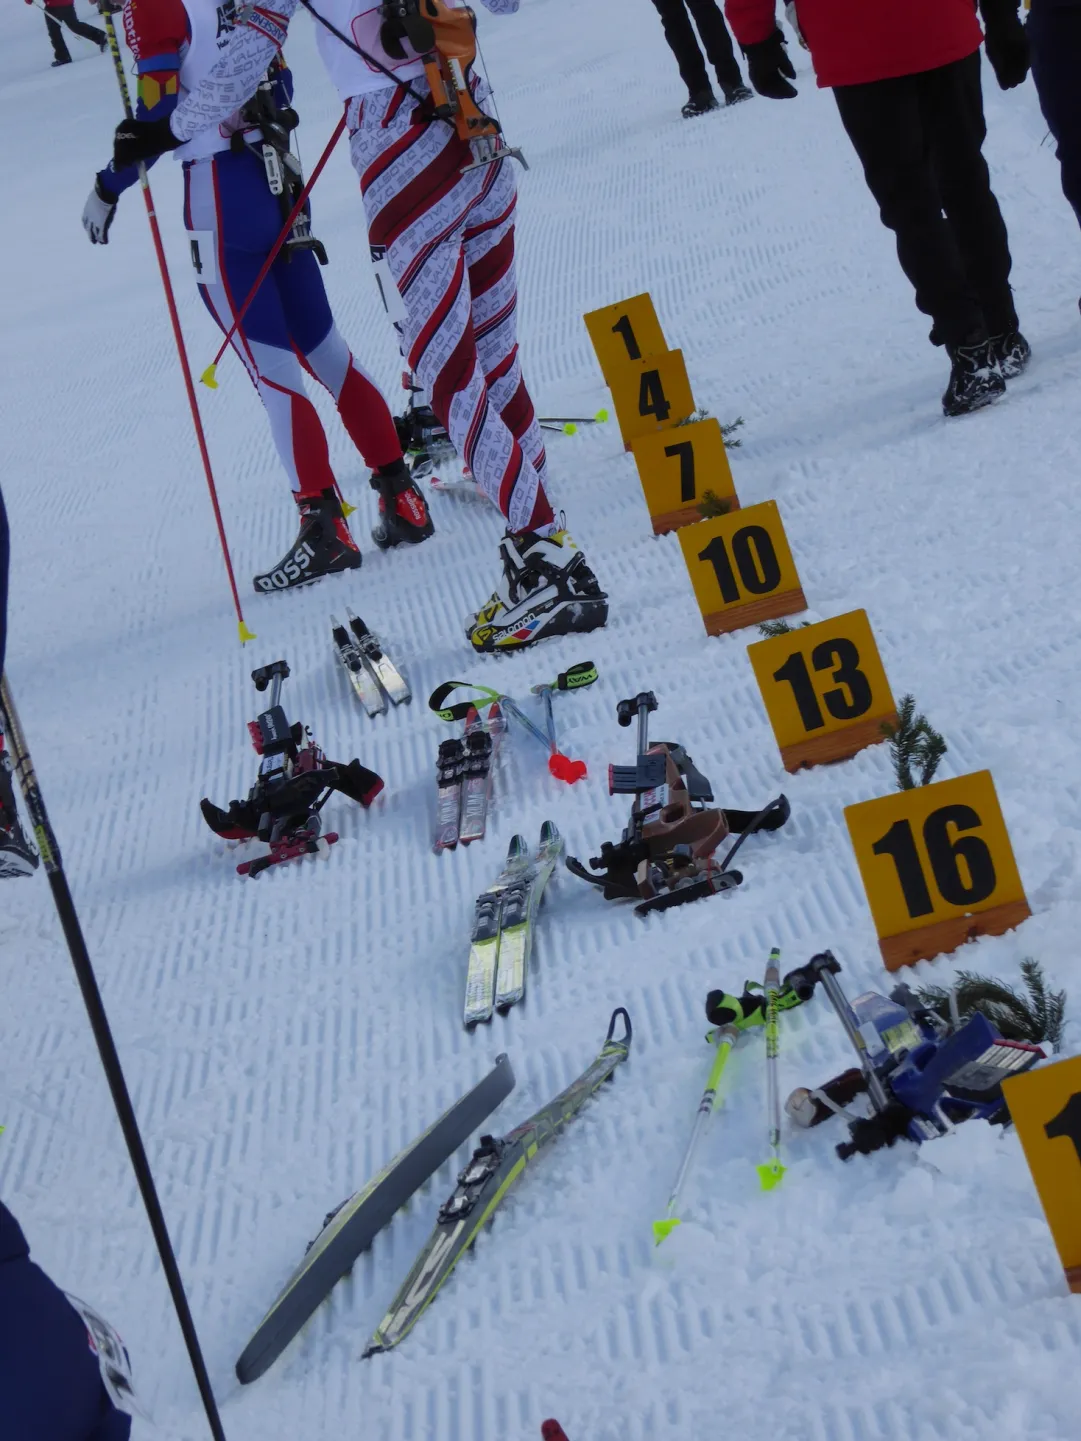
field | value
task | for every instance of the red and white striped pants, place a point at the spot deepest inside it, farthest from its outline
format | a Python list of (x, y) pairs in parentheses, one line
[(449, 240)]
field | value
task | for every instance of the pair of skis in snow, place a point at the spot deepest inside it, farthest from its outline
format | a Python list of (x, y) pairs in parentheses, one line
[(464, 778), (496, 1165), (503, 924), (372, 674)]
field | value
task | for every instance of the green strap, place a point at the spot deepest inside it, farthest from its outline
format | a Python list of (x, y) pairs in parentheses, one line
[(460, 709)]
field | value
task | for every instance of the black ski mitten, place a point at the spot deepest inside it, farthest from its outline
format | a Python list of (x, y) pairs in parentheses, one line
[(768, 66), (1005, 41), (141, 140)]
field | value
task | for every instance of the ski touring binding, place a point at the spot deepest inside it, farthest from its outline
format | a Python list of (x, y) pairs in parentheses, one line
[(665, 855), (373, 675), (294, 782)]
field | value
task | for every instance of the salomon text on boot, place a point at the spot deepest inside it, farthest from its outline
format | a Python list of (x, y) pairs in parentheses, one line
[(547, 589), (404, 518), (322, 547)]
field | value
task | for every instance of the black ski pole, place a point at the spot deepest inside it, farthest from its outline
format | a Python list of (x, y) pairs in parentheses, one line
[(99, 1023)]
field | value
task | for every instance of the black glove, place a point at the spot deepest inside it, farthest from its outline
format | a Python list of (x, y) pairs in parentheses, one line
[(768, 64), (98, 213), (1006, 42), (137, 140)]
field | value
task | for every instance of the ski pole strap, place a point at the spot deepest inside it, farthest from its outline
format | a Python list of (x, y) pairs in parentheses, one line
[(460, 709), (582, 674)]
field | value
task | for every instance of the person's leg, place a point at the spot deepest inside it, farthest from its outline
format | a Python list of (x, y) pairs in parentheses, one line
[(886, 125), (951, 101), (1055, 45), (715, 37), (679, 33), (79, 27), (61, 54)]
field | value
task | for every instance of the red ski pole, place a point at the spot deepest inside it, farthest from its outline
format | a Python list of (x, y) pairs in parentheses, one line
[(209, 375), (178, 334)]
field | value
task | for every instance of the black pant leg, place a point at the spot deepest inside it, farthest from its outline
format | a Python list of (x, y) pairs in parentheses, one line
[(1054, 33), (56, 37), (715, 37), (683, 45), (952, 101), (79, 27), (884, 121)]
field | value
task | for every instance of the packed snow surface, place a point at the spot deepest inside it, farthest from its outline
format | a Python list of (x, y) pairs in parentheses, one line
[(284, 1038)]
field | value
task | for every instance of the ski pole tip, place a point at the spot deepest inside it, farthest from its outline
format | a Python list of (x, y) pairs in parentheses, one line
[(347, 509), (570, 428), (244, 633), (564, 769), (601, 417), (771, 1174), (209, 376), (664, 1228)]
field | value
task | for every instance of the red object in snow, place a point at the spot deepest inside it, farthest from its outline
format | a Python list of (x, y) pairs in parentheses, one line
[(553, 1431)]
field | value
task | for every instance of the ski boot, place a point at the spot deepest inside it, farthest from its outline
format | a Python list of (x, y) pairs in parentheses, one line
[(17, 856), (975, 380), (547, 589), (322, 547), (1012, 353), (423, 438), (733, 94), (700, 103), (403, 511)]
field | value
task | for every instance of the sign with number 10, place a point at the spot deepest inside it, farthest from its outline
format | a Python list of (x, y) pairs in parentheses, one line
[(937, 866)]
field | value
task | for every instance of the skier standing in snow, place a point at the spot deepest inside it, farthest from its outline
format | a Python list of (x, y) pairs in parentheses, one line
[(1054, 34), (906, 78), (446, 228), (692, 68), (59, 12), (16, 856), (50, 1379), (233, 219)]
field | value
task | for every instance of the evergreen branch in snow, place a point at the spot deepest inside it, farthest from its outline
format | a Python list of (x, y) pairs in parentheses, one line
[(913, 743), (1038, 1016)]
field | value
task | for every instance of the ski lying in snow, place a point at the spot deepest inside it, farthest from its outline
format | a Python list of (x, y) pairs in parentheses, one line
[(372, 674), (503, 927), (379, 663), (482, 742), (350, 1229), (497, 1164), (361, 679)]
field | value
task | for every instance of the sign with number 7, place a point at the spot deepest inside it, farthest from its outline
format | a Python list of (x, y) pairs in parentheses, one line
[(651, 394), (937, 867)]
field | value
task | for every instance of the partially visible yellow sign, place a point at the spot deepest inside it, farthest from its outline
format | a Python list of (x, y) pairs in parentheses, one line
[(651, 394), (741, 568), (824, 688), (624, 333), (1046, 1109), (676, 471)]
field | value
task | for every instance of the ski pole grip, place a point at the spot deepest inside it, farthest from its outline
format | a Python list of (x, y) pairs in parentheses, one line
[(825, 961)]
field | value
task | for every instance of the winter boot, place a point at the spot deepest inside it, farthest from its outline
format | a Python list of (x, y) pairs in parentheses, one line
[(1012, 353), (547, 589), (974, 378), (700, 103), (403, 511), (17, 856), (423, 438), (323, 545), (735, 93)]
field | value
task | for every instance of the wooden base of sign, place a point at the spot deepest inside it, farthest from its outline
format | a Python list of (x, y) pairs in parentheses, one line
[(835, 745), (945, 936), (691, 515), (770, 607), (1073, 1278)]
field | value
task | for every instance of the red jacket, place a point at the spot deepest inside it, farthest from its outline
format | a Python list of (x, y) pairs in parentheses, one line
[(855, 41)]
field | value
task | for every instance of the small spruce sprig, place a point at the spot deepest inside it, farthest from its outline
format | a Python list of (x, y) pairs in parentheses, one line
[(780, 627), (1037, 1016), (713, 504), (915, 746), (727, 431)]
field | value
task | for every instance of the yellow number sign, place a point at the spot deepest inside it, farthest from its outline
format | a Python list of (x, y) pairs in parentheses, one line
[(741, 568), (651, 394), (825, 691), (624, 333), (676, 471), (1046, 1109), (937, 866)]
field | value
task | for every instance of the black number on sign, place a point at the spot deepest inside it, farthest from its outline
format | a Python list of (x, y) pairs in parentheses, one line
[(1067, 1123), (622, 328), (846, 657), (758, 567), (794, 671), (196, 258), (685, 451), (945, 853), (651, 398), (898, 843)]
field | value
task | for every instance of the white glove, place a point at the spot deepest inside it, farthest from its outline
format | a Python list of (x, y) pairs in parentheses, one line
[(791, 17), (98, 215)]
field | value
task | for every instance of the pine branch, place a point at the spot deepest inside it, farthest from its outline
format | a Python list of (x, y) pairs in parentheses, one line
[(713, 504), (913, 742), (780, 627), (1039, 1018)]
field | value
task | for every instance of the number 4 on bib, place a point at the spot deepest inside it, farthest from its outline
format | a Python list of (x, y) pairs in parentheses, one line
[(937, 866)]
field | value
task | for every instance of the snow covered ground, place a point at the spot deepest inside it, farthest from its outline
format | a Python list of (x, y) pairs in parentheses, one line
[(283, 1039)]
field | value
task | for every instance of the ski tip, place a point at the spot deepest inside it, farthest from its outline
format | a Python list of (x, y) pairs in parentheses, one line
[(625, 1039), (373, 1348), (771, 1174), (662, 1229), (551, 1430)]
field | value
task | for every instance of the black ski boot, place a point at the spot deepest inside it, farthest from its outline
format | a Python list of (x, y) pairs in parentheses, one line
[(1012, 353), (975, 380), (423, 438), (735, 93), (322, 547), (700, 103), (17, 856), (404, 518), (547, 589)]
